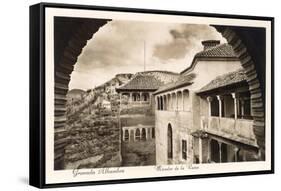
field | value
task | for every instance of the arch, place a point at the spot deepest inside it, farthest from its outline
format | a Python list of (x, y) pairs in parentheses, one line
[(145, 97), (180, 101), (251, 58), (215, 151), (169, 102), (158, 103), (153, 132), (165, 102), (136, 97), (215, 107), (126, 135), (161, 103), (173, 100), (137, 134), (143, 134), (224, 152), (186, 101), (170, 142), (71, 46)]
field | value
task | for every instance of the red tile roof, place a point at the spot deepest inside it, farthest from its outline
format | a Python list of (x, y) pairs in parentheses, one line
[(184, 80), (220, 52), (225, 80), (149, 80)]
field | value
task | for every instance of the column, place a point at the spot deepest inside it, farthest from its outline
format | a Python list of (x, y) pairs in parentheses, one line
[(220, 106), (182, 97), (131, 97), (234, 95), (164, 102), (200, 150), (242, 108), (146, 133), (134, 133), (220, 151), (140, 97), (123, 131), (209, 151), (160, 102), (156, 102), (236, 149), (177, 102), (169, 102), (129, 131), (209, 99)]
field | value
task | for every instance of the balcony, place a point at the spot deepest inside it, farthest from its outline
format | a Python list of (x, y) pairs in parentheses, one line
[(236, 129)]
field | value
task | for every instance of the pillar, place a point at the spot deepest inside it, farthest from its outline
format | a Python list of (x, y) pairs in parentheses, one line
[(169, 102), (220, 105), (242, 108), (177, 102), (220, 151), (234, 95), (182, 100), (130, 97), (209, 99), (236, 149), (140, 94), (209, 151), (156, 102), (200, 150), (134, 133), (146, 133)]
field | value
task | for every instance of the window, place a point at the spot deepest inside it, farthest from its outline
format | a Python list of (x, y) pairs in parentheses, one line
[(184, 149)]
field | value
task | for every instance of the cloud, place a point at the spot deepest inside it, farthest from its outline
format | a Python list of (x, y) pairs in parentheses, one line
[(185, 39), (118, 47)]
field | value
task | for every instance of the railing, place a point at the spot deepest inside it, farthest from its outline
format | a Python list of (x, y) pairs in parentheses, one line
[(230, 127)]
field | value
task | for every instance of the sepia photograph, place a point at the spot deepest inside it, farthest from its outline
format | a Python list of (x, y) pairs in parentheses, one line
[(145, 93), (132, 95)]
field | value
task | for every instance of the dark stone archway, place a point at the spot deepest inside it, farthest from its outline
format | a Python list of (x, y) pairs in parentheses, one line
[(249, 44), (72, 34)]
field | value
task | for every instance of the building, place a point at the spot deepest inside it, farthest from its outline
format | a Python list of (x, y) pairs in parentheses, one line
[(137, 98), (75, 95), (226, 125), (139, 90), (186, 133)]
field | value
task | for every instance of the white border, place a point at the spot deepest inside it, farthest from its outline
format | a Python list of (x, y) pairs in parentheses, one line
[(66, 176)]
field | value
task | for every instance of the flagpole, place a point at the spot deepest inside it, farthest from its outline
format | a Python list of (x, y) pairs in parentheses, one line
[(144, 55)]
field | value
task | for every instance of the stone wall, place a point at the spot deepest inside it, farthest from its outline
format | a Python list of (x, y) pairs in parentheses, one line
[(180, 122), (94, 142)]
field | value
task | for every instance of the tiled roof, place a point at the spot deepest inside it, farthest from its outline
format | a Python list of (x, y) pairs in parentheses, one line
[(219, 51), (149, 80), (183, 80), (225, 80), (222, 51)]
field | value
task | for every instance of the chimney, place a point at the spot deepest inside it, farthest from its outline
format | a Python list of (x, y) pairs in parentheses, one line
[(210, 43)]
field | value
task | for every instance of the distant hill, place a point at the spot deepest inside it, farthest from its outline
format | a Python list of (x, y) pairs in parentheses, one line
[(75, 93), (117, 81)]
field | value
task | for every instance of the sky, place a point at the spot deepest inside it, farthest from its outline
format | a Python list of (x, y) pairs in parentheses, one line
[(126, 46)]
